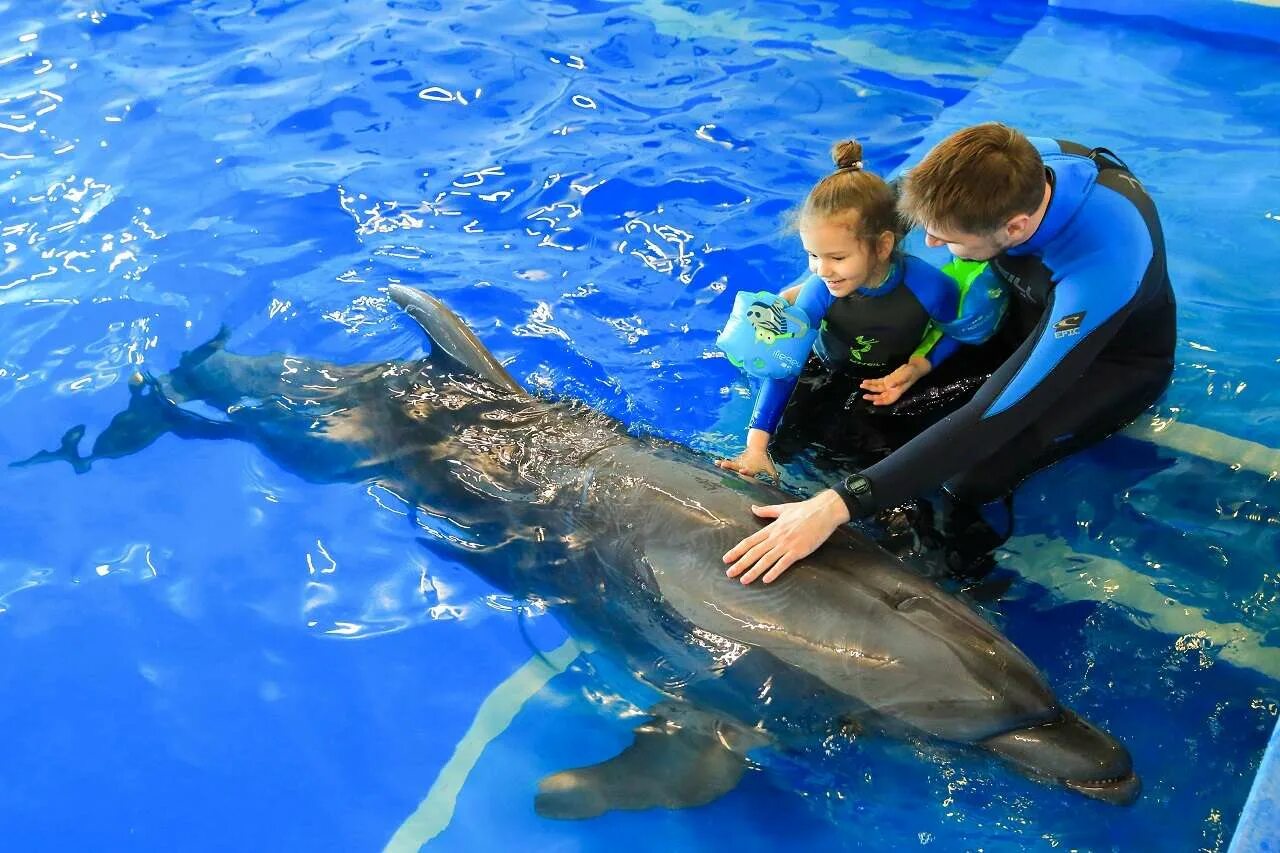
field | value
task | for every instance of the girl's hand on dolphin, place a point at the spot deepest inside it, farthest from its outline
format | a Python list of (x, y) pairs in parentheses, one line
[(750, 463), (796, 532), (755, 459), (887, 390)]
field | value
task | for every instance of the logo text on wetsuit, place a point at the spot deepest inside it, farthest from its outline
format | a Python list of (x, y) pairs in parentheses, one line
[(1015, 280), (1068, 326)]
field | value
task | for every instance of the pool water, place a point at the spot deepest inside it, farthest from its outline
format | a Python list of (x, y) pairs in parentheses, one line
[(203, 651)]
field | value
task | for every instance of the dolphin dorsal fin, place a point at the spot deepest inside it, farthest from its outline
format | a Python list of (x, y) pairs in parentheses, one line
[(451, 337)]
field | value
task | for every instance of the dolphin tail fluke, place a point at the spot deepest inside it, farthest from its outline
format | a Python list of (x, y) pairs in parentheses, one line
[(450, 337), (69, 451), (149, 415), (673, 764)]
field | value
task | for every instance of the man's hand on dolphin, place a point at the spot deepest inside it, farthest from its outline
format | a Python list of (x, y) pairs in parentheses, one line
[(796, 532)]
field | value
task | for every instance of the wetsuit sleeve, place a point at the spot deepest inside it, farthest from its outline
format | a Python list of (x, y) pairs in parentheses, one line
[(770, 403), (1092, 299), (940, 298), (936, 346), (932, 334), (814, 299)]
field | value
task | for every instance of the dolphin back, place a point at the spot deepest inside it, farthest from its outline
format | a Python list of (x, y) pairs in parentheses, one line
[(902, 649)]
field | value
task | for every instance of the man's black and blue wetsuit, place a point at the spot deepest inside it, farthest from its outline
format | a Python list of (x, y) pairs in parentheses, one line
[(872, 331), (1091, 330)]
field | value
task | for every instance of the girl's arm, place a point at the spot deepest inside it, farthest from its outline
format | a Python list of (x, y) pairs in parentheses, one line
[(813, 298)]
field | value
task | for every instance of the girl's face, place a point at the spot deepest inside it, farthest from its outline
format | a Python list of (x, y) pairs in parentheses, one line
[(841, 258)]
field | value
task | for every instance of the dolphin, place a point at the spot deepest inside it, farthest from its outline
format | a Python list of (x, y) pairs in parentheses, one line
[(623, 535)]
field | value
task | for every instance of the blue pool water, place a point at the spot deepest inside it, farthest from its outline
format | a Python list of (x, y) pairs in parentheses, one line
[(202, 651)]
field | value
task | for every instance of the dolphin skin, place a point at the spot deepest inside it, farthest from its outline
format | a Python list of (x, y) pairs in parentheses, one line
[(552, 500)]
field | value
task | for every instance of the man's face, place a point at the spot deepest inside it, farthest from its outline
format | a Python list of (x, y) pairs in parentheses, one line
[(971, 247)]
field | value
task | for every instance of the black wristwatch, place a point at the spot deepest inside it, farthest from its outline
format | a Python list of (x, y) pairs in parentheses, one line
[(855, 491)]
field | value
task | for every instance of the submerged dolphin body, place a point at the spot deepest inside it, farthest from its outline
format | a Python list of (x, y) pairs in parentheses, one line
[(556, 501)]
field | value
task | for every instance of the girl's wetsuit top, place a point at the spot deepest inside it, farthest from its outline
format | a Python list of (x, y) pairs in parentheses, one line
[(1090, 288), (872, 331)]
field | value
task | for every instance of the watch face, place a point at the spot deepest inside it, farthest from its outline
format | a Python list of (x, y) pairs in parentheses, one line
[(857, 484)]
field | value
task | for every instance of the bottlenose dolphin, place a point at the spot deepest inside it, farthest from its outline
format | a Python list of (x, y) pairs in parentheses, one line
[(623, 534)]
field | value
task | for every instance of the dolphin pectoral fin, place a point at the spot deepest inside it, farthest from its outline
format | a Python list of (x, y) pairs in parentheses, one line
[(672, 763), (451, 338)]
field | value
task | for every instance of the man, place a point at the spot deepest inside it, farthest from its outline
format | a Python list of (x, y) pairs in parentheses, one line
[(1091, 329)]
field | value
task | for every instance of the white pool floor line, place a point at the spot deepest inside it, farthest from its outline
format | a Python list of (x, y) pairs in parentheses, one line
[(493, 717)]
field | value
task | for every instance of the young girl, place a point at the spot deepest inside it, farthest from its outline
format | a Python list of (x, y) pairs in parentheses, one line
[(874, 305)]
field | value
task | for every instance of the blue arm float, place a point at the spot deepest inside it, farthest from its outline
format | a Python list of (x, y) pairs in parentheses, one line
[(767, 336)]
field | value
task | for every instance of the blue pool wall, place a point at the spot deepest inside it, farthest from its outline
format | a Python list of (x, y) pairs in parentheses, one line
[(1259, 826)]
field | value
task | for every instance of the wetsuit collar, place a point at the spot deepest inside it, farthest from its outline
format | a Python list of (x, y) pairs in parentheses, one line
[(897, 273), (1071, 179)]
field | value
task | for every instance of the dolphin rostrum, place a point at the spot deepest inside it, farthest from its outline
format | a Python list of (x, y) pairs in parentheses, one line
[(553, 500)]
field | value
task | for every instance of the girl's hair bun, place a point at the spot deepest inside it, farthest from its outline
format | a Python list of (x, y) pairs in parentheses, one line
[(847, 154)]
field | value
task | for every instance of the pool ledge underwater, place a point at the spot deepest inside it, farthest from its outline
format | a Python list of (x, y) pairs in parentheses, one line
[(1257, 20)]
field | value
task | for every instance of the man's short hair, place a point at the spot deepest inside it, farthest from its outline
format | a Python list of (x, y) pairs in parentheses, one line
[(975, 181)]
